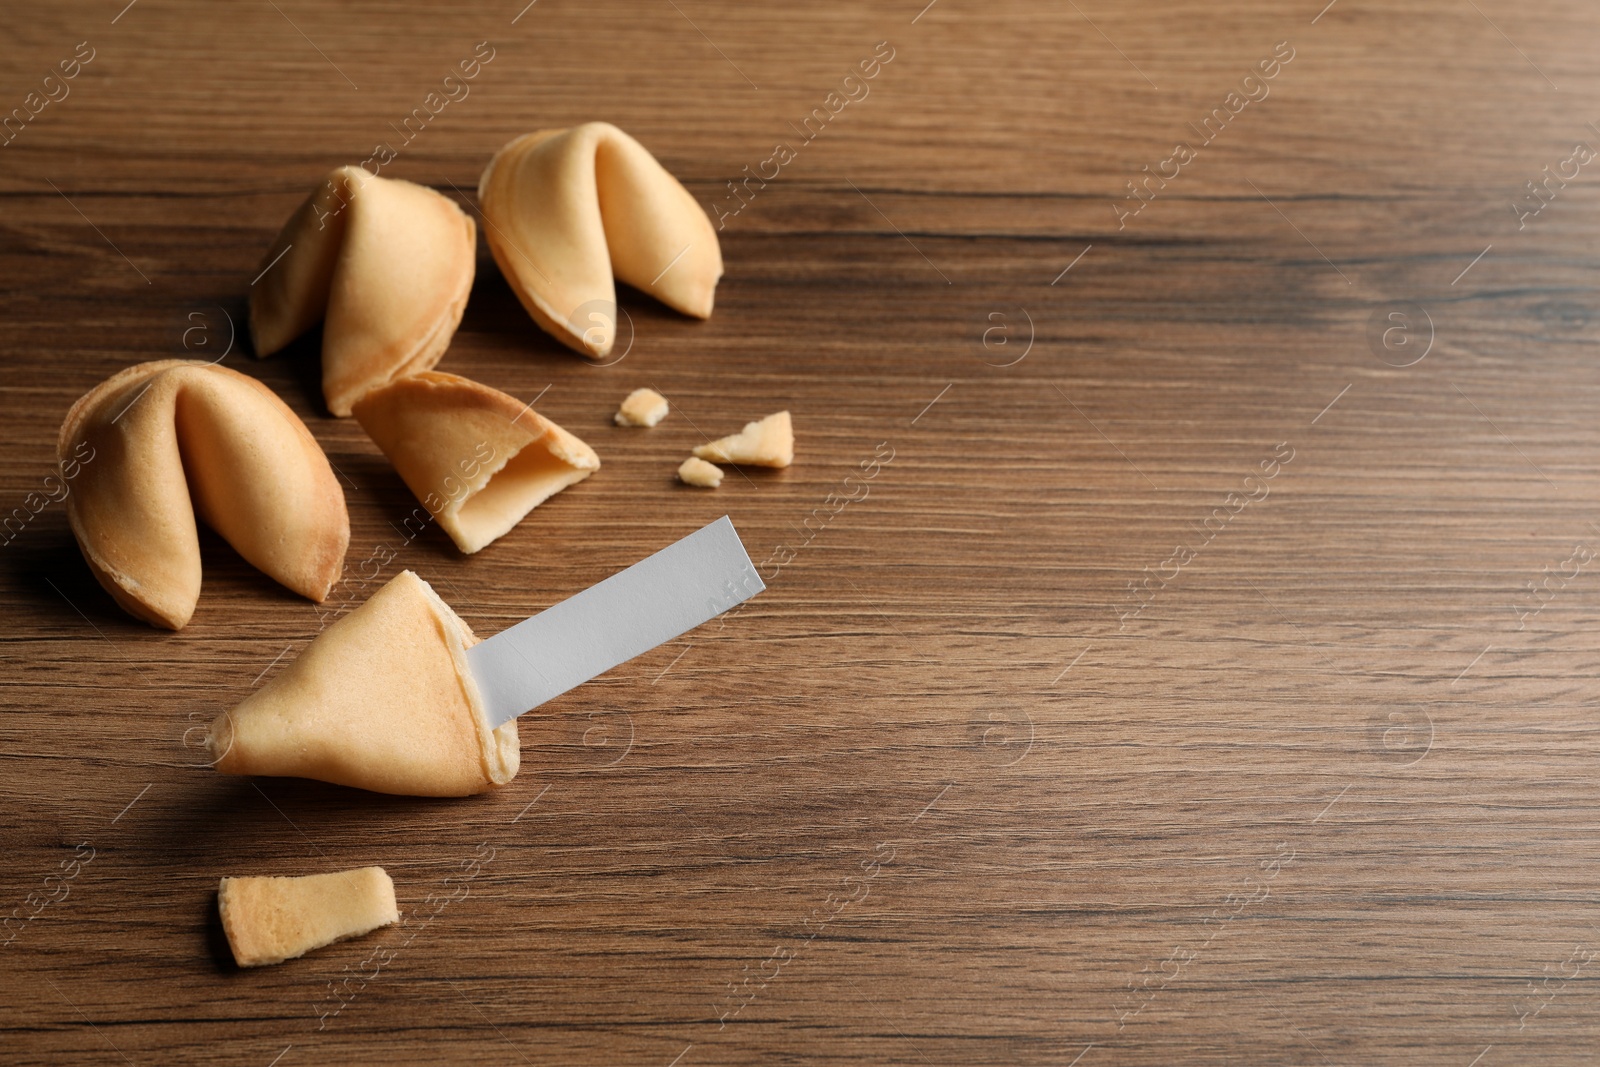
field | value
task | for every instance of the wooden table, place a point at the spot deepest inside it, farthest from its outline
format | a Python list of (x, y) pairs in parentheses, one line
[(1205, 674)]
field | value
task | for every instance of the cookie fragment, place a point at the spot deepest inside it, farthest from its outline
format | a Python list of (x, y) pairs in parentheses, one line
[(643, 407), (269, 920), (696, 471), (767, 443)]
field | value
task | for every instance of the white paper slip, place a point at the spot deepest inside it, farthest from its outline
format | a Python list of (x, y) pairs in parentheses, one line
[(628, 614)]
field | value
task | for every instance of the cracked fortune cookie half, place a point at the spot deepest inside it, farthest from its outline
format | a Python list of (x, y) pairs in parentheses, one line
[(384, 264), (570, 212), (157, 443), (477, 459), (381, 700)]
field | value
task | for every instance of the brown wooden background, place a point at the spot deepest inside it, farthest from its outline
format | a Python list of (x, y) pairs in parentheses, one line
[(929, 799)]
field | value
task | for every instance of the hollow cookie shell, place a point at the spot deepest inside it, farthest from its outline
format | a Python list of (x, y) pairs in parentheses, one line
[(477, 459), (386, 263), (570, 211), (269, 920), (174, 437), (381, 700)]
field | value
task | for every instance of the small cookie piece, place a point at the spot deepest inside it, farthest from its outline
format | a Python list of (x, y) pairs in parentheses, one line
[(695, 471), (269, 920), (768, 443), (644, 407)]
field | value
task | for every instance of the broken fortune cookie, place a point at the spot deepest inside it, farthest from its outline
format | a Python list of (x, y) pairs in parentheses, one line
[(570, 212), (269, 920), (385, 264), (381, 700), (156, 444), (478, 459)]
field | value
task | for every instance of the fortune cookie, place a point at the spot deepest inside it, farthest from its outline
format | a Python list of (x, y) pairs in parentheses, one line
[(768, 443), (171, 438), (269, 920), (569, 211), (381, 700), (387, 265), (477, 459)]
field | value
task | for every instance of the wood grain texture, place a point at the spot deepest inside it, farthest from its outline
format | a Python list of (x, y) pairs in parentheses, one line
[(941, 795)]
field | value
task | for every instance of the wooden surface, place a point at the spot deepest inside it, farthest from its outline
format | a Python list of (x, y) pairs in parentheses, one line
[(942, 794)]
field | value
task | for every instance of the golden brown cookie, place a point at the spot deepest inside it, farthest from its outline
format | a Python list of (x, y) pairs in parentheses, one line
[(384, 264), (381, 700), (269, 920), (478, 459), (173, 438), (570, 212)]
